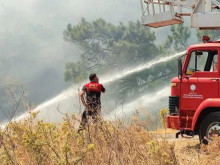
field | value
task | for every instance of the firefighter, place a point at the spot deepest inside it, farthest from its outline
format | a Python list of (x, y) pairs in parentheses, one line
[(92, 103)]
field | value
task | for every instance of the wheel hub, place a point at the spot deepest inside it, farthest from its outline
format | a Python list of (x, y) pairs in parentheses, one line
[(214, 130)]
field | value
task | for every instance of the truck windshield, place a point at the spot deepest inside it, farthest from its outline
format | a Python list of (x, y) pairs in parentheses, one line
[(202, 61)]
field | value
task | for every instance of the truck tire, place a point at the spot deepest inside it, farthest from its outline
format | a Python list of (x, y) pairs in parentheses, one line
[(210, 125)]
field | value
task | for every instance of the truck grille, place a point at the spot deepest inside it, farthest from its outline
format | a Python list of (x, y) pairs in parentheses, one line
[(173, 104)]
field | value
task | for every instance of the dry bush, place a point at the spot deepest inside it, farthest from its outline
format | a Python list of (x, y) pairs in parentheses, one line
[(36, 142), (33, 141)]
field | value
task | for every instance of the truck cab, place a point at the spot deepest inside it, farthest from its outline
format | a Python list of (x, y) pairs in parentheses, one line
[(194, 103)]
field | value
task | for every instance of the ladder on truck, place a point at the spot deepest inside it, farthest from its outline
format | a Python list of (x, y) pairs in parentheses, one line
[(205, 14)]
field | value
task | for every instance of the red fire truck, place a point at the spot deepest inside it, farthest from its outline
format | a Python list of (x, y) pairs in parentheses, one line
[(194, 104)]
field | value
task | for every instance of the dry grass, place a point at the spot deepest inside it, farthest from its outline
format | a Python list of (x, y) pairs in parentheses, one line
[(31, 142), (191, 152)]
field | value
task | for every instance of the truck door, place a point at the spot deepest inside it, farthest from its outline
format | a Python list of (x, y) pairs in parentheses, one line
[(201, 80)]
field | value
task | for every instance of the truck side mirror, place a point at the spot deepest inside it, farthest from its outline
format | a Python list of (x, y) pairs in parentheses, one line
[(180, 72)]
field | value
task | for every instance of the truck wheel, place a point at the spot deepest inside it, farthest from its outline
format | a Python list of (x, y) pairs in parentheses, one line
[(210, 126)]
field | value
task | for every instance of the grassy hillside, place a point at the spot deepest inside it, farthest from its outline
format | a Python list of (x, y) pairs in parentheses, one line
[(31, 142)]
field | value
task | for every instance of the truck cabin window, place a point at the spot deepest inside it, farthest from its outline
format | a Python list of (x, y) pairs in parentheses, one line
[(202, 61)]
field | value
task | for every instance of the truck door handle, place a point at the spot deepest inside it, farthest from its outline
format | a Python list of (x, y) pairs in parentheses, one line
[(214, 79)]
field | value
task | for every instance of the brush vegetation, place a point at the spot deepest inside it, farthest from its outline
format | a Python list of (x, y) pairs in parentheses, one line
[(33, 141)]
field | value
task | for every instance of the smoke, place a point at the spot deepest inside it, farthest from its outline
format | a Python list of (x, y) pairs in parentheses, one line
[(149, 100), (32, 47)]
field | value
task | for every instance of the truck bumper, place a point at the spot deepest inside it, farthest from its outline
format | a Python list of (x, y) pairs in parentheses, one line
[(173, 122)]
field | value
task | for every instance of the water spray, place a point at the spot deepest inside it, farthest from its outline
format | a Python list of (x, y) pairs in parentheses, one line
[(51, 105), (141, 67)]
